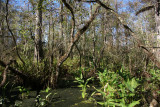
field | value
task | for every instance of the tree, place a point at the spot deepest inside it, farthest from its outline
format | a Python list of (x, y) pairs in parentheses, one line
[(156, 6), (74, 39), (38, 53)]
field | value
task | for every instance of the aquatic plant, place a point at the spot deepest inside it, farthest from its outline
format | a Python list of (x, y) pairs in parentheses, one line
[(115, 90), (83, 83), (24, 92)]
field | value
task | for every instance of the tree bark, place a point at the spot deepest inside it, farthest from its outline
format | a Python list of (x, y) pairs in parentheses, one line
[(117, 28), (61, 33), (4, 76), (13, 36), (74, 40), (157, 20), (139, 43), (51, 47), (19, 73), (93, 41), (38, 53)]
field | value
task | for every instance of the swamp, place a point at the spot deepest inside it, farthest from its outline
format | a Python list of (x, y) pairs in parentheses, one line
[(80, 53)]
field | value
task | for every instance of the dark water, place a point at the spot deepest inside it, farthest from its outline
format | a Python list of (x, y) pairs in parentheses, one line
[(70, 97), (65, 97)]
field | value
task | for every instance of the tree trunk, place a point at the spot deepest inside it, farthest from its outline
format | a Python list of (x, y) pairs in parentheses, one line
[(117, 27), (157, 20), (51, 47), (94, 41), (38, 53), (74, 40), (61, 49)]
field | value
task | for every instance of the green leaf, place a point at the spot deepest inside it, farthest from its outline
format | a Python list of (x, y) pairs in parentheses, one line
[(48, 95), (80, 85), (47, 89), (93, 94), (101, 103), (131, 84), (123, 105), (131, 95), (83, 94), (134, 103), (134, 83)]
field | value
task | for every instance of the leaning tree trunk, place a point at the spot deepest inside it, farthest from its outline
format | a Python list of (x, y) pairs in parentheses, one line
[(74, 39), (157, 20), (38, 53)]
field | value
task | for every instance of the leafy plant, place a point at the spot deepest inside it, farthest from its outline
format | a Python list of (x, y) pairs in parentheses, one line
[(47, 90), (43, 102), (115, 90), (127, 93), (83, 83), (24, 92), (3, 97)]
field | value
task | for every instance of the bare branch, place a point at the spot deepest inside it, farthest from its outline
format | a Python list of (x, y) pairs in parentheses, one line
[(14, 39), (89, 1), (19, 73), (77, 36), (147, 51), (74, 41), (144, 9), (103, 5), (4, 76), (73, 18)]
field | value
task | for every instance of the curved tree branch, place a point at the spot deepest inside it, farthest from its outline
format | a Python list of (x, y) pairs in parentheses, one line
[(4, 76), (74, 41), (73, 24), (144, 9), (89, 1), (77, 36), (7, 67), (103, 5), (19, 73), (73, 18), (147, 51), (14, 39)]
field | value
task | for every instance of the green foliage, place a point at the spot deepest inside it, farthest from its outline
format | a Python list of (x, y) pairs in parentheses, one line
[(83, 83), (24, 92), (38, 71), (155, 78), (131, 84), (3, 96), (71, 64), (117, 90), (43, 102), (47, 89)]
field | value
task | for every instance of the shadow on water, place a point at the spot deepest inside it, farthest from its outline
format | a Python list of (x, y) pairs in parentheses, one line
[(69, 97), (62, 97)]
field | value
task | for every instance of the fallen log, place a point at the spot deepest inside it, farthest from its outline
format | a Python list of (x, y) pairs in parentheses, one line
[(13, 70)]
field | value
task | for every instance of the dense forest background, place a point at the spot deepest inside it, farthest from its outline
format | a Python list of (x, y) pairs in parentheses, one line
[(48, 43)]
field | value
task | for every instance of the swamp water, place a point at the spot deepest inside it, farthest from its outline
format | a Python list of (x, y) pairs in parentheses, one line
[(65, 97)]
